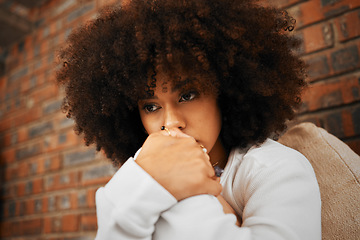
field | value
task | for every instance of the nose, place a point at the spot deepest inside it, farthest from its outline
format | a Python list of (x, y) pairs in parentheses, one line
[(174, 118)]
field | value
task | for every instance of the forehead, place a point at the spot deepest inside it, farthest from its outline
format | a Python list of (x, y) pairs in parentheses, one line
[(178, 81)]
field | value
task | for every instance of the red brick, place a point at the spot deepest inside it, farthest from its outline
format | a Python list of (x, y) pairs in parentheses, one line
[(52, 224), (2, 84), (20, 189), (338, 7), (354, 144), (5, 124), (7, 156), (91, 197), (306, 13), (88, 222), (10, 173), (38, 185), (97, 175), (25, 84), (346, 58), (70, 223), (6, 140), (40, 163), (22, 134), (30, 227), (53, 163), (348, 26), (280, 3), (62, 141), (53, 27), (74, 200), (62, 181), (23, 169), (5, 229), (348, 123), (44, 93), (318, 66), (348, 88), (44, 47), (318, 37), (56, 224), (9, 192), (341, 122), (28, 151), (47, 224), (7, 211), (29, 206), (334, 61), (24, 116)]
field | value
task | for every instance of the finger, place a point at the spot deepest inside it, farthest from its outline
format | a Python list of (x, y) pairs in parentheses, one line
[(211, 172), (214, 188), (175, 132), (216, 178), (165, 133)]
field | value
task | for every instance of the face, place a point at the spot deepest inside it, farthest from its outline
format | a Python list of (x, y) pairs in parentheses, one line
[(194, 113)]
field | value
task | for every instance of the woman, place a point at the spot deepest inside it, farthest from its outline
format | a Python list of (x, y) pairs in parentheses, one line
[(195, 84)]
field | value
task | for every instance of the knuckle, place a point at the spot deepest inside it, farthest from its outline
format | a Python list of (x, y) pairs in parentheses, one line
[(190, 141), (199, 180)]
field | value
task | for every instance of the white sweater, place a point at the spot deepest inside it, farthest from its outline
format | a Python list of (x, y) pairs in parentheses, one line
[(272, 187)]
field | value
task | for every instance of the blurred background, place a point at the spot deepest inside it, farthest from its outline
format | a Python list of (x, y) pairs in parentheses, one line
[(48, 178)]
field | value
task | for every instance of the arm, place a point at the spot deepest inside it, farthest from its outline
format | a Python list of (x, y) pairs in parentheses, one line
[(197, 218), (279, 197), (130, 204), (179, 164)]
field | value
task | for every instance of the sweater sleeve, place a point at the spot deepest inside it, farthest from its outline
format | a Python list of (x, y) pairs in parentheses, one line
[(130, 204), (279, 197), (280, 194), (275, 188), (199, 218)]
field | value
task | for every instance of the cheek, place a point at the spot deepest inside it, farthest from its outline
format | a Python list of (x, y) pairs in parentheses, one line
[(211, 123), (216, 124), (150, 124)]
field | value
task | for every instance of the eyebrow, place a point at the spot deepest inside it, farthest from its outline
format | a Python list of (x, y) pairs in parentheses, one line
[(180, 84)]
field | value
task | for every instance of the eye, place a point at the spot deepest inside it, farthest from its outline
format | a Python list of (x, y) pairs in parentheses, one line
[(149, 108), (188, 96)]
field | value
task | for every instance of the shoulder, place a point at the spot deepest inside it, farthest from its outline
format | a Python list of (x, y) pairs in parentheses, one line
[(272, 170), (272, 160), (274, 182), (272, 154)]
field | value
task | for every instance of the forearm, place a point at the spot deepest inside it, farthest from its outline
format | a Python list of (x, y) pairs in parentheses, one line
[(199, 217), (130, 204)]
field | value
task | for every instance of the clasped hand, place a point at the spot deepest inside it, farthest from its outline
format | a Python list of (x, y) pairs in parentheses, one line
[(179, 164)]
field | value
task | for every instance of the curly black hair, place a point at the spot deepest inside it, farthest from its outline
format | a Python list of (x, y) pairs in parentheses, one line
[(244, 46)]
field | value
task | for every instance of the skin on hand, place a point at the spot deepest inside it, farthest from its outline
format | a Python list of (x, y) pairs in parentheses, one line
[(228, 209), (179, 164), (175, 157)]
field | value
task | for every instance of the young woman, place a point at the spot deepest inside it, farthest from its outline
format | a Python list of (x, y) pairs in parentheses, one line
[(191, 87)]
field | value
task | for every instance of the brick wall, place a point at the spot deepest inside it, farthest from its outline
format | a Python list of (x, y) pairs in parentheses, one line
[(48, 178), (330, 30)]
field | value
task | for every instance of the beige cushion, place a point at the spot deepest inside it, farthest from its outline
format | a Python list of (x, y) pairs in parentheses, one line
[(337, 169)]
